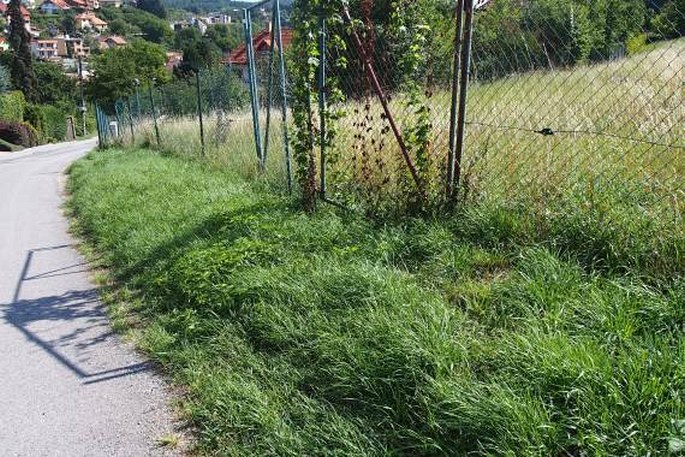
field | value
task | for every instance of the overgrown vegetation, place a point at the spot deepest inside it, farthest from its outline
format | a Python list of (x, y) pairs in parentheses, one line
[(499, 331)]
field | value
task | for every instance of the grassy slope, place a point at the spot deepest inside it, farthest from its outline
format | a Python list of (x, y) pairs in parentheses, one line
[(490, 333)]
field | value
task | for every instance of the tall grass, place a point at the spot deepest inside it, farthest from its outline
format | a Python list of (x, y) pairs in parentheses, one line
[(490, 333)]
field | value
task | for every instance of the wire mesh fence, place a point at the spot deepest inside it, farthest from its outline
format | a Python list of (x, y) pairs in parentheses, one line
[(409, 104)]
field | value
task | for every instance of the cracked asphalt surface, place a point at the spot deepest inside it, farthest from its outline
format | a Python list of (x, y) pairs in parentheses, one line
[(68, 385)]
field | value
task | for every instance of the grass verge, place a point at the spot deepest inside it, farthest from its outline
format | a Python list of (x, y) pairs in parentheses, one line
[(495, 332)]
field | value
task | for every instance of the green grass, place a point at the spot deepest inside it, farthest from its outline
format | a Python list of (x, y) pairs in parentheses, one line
[(498, 331)]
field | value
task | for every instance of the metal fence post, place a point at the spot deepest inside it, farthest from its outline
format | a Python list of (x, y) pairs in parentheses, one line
[(199, 111), (284, 97), (251, 69), (269, 85), (322, 99), (130, 120), (154, 113), (83, 98), (463, 90), (117, 116), (137, 83), (98, 125), (451, 159)]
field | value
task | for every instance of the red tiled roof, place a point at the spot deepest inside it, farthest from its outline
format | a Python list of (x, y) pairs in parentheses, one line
[(261, 43), (61, 4), (24, 11)]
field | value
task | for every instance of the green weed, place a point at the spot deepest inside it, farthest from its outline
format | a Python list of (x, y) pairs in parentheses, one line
[(500, 331)]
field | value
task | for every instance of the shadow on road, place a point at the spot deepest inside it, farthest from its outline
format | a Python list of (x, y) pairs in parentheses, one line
[(72, 327)]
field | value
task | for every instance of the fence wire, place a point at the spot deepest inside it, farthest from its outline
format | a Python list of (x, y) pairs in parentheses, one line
[(449, 101)]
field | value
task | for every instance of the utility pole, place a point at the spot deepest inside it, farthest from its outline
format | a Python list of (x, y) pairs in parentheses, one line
[(83, 98)]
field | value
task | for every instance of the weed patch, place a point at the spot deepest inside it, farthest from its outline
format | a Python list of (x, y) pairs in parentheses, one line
[(495, 332)]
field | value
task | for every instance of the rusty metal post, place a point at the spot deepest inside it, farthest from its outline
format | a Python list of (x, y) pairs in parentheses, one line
[(384, 101)]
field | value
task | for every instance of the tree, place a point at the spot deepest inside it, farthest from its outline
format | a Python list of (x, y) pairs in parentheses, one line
[(154, 7), (68, 22), (198, 55), (20, 42), (54, 84), (226, 37), (115, 70), (5, 79)]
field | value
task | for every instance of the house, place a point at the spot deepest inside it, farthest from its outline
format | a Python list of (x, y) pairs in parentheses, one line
[(59, 48), (217, 18), (200, 24), (117, 3), (262, 45), (54, 6), (89, 21), (173, 60), (4, 45), (72, 47), (45, 49), (109, 42), (24, 12)]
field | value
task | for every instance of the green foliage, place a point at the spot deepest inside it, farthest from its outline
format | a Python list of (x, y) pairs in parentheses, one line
[(512, 36), (55, 85), (670, 21), (21, 65), (153, 7), (225, 36), (54, 126), (150, 26), (12, 106), (5, 79), (115, 70), (497, 332)]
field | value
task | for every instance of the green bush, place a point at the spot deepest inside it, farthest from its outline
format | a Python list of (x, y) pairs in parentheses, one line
[(54, 123), (12, 106)]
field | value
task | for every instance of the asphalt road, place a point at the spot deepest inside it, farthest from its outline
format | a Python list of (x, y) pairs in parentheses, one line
[(68, 385)]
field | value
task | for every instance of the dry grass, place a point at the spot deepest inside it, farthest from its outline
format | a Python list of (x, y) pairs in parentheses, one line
[(614, 122)]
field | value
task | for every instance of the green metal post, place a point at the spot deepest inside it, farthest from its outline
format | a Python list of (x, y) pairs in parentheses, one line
[(199, 111), (138, 99), (269, 86), (83, 98), (97, 124), (117, 116), (130, 120), (154, 114), (284, 96), (322, 99), (251, 69)]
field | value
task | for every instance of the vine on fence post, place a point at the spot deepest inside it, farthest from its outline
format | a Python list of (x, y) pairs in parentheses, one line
[(306, 58)]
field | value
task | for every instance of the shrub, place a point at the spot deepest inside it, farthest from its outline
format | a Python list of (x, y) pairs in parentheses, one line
[(54, 123), (19, 133), (12, 106)]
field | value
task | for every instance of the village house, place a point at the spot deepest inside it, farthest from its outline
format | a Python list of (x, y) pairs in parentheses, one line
[(109, 42), (173, 60), (58, 48), (24, 13), (45, 49), (89, 21), (117, 3), (262, 45), (54, 6)]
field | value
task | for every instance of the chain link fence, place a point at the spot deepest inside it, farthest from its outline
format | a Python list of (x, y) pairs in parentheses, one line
[(415, 104)]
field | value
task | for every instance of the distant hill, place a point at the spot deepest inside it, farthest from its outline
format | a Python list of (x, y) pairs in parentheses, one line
[(200, 6)]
